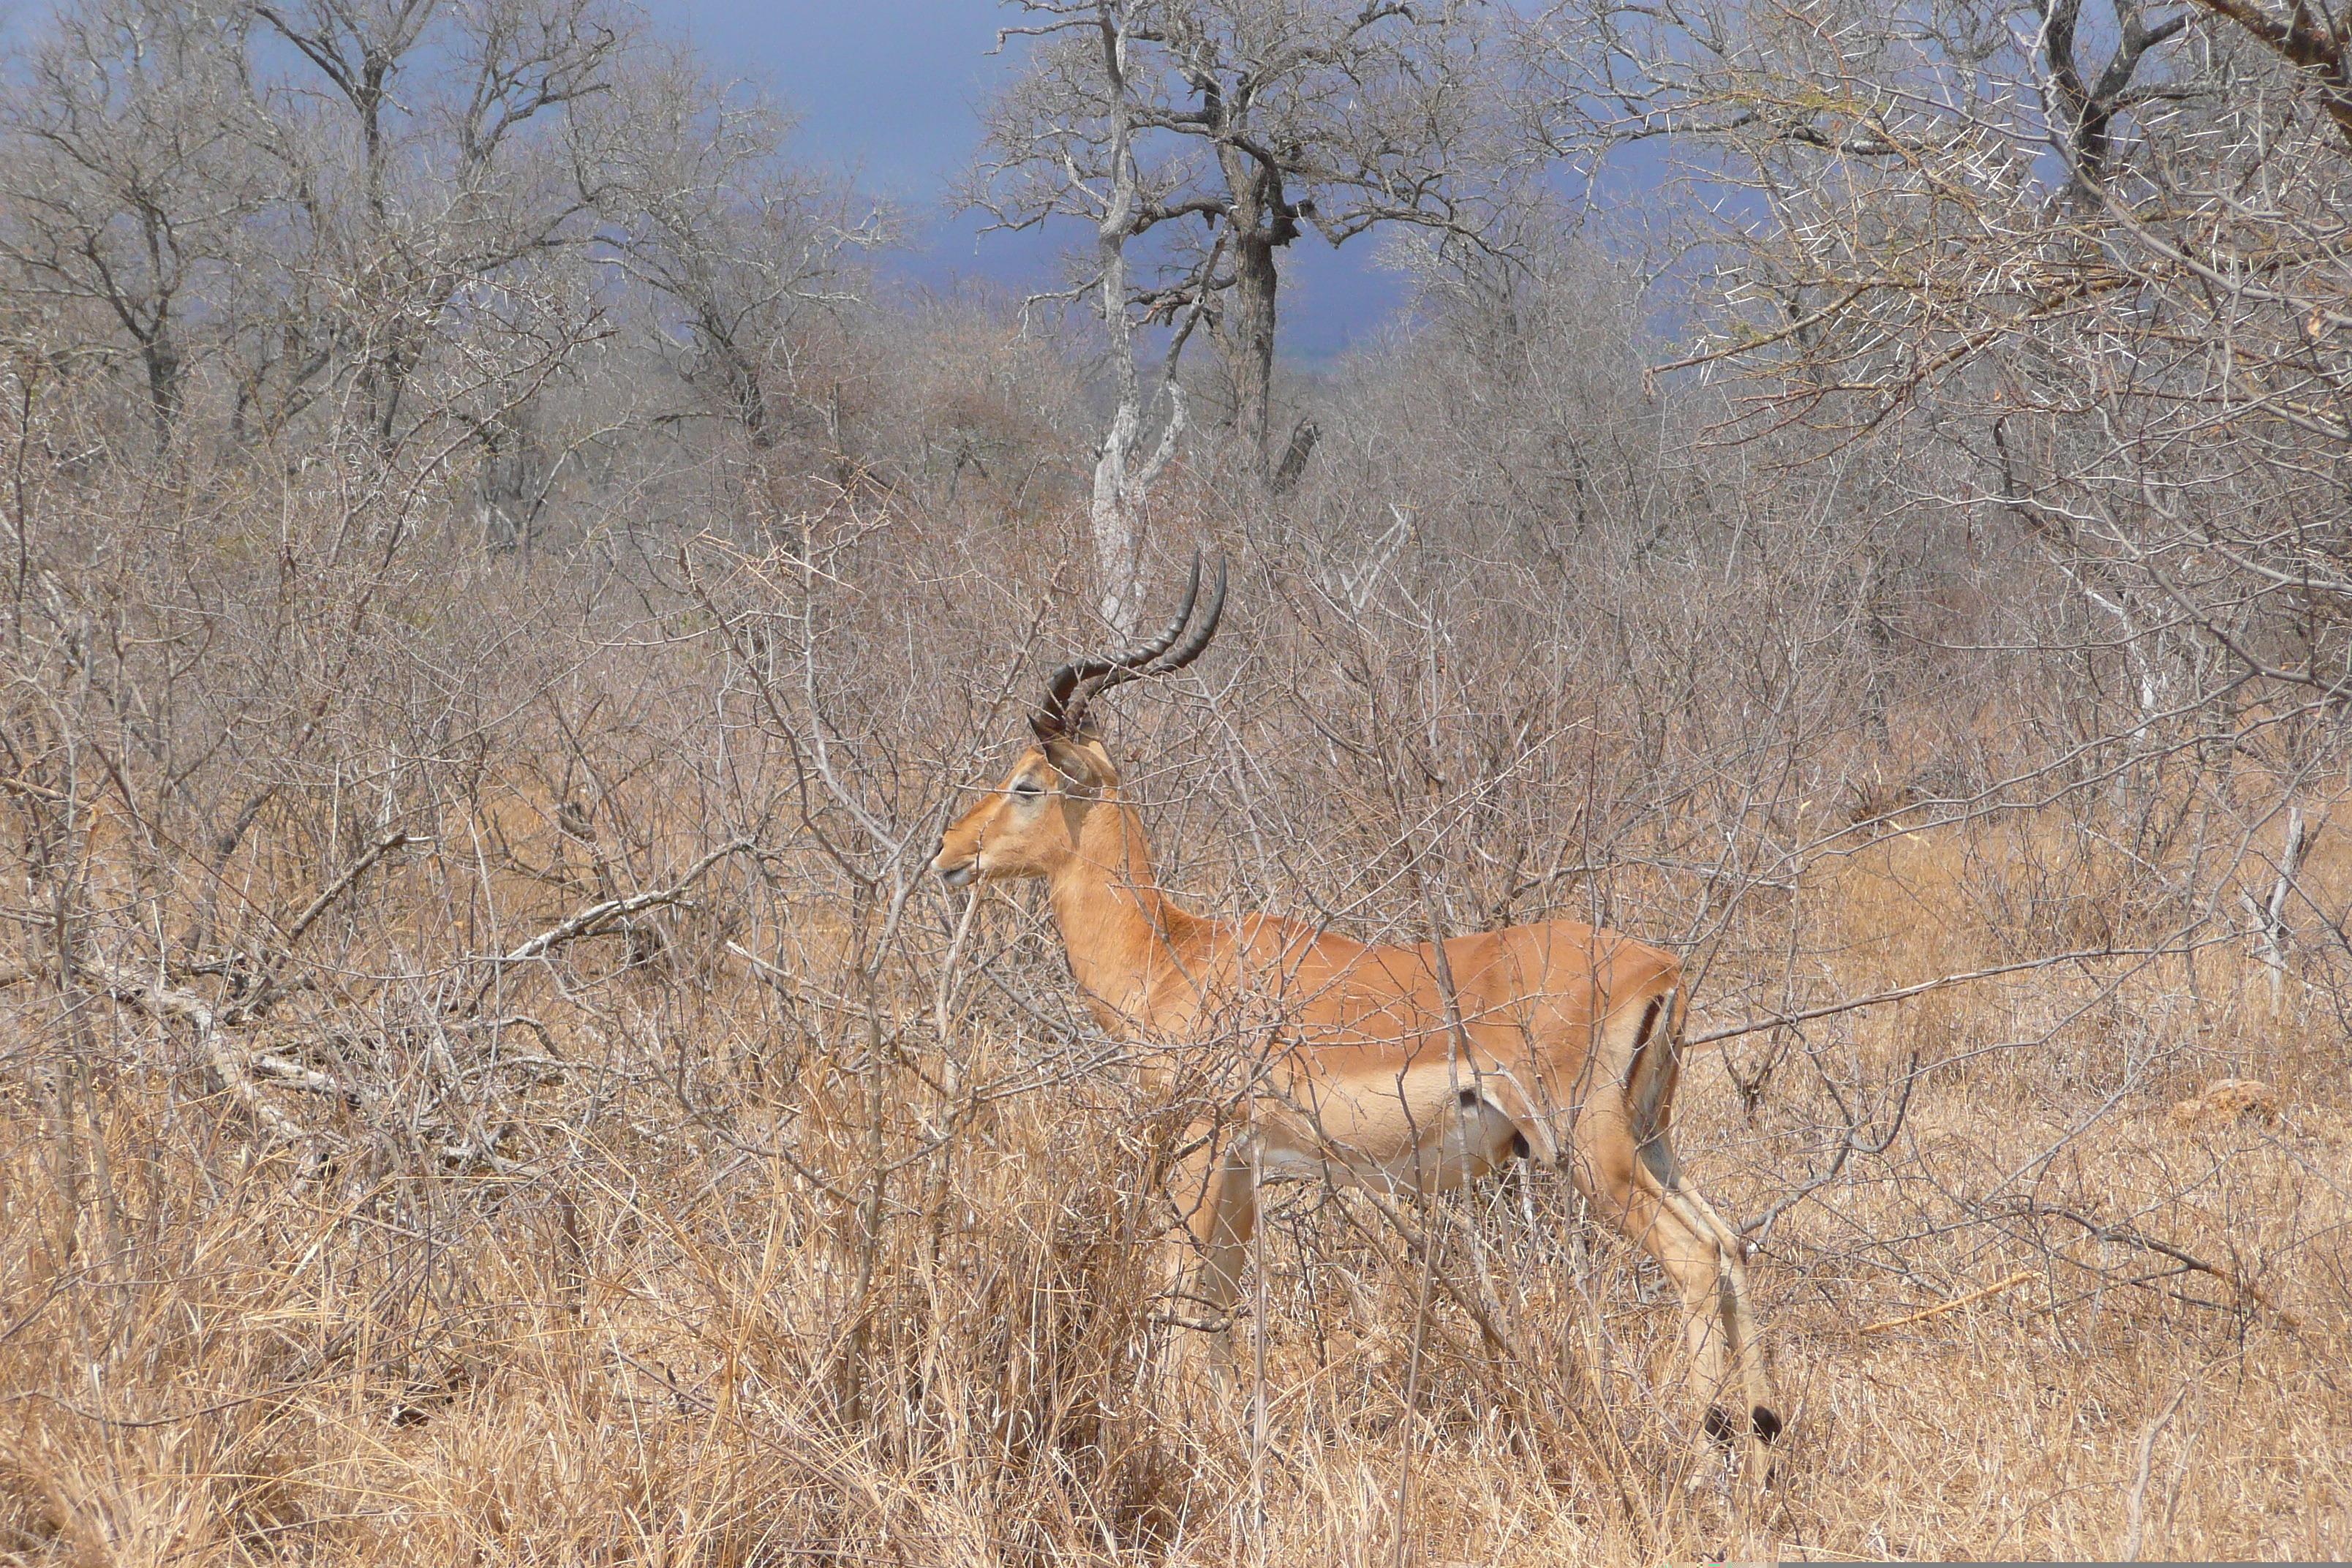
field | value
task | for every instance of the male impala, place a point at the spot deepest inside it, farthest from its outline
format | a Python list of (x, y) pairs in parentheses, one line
[(1566, 1052)]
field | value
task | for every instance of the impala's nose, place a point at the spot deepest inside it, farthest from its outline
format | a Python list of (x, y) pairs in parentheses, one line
[(953, 876)]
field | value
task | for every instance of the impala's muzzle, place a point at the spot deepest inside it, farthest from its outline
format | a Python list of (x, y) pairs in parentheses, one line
[(959, 876)]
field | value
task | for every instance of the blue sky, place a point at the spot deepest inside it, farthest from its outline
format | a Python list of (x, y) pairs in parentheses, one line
[(890, 86)]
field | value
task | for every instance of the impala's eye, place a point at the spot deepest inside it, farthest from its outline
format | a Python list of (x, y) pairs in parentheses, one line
[(1027, 789)]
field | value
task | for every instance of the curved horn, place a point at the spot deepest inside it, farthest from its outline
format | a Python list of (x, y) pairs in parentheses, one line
[(1199, 640), (1058, 716), (1103, 681)]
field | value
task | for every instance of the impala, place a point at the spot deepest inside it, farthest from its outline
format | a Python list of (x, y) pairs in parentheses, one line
[(1417, 1067)]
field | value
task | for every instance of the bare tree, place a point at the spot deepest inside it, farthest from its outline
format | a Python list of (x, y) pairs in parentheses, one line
[(1122, 208), (409, 196), (1257, 119), (734, 243), (128, 176), (2097, 262)]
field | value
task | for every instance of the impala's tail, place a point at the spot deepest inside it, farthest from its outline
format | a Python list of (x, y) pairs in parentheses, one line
[(1651, 1071)]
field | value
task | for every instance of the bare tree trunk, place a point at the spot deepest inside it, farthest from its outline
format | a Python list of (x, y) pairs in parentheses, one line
[(1117, 487), (1112, 525), (1108, 516), (1246, 327), (163, 378), (1249, 339)]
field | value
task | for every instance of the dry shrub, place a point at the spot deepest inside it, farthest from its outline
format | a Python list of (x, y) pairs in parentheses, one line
[(488, 1077)]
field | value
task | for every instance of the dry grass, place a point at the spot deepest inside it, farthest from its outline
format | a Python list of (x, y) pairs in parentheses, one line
[(650, 1338)]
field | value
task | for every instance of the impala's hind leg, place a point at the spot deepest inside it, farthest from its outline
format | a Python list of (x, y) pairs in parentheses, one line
[(1652, 1070), (1659, 1173), (1603, 1163), (1216, 1190), (1740, 1317)]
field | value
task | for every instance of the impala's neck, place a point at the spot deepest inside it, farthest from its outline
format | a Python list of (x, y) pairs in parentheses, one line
[(1116, 925)]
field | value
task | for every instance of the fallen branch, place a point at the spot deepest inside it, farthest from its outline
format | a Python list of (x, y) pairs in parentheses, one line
[(25, 786), (294, 1074), (1954, 1305), (588, 920), (159, 1001)]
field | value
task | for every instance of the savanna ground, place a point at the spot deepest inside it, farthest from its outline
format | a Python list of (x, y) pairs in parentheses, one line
[(594, 1138)]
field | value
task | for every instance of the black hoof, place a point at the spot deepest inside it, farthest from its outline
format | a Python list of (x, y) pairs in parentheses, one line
[(1768, 1424), (1719, 1424)]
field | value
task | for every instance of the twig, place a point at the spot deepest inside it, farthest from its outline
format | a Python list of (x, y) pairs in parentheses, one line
[(2135, 1502), (944, 1003), (1954, 1305), (351, 873), (268, 991), (586, 923), (1905, 992), (1608, 1462), (2126, 1235), (123, 1424), (57, 1288)]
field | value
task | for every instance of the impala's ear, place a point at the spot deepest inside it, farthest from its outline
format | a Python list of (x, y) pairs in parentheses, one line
[(1080, 761)]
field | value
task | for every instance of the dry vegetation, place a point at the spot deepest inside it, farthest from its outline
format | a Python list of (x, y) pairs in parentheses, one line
[(485, 1075), (693, 1235)]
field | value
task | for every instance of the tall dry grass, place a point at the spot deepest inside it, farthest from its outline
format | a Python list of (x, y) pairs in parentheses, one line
[(695, 1240), (489, 1078)]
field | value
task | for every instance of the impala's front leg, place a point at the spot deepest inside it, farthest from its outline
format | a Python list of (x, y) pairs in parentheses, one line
[(1215, 1189)]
